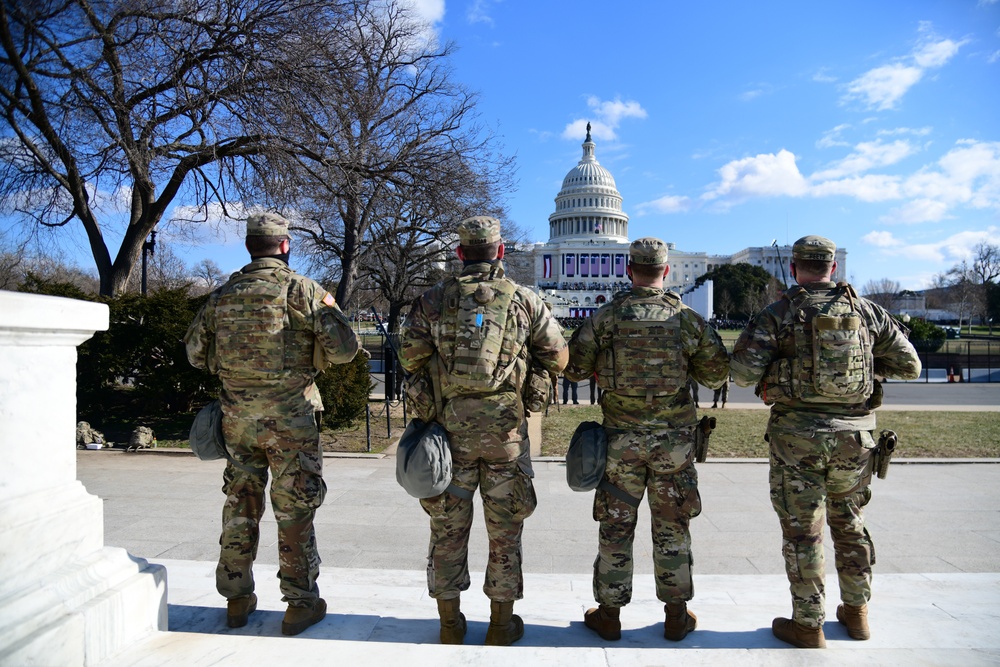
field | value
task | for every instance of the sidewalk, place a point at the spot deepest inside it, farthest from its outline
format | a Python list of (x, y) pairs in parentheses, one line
[(936, 593)]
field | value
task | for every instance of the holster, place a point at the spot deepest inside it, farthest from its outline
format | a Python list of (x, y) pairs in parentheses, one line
[(883, 453), (701, 436), (538, 388)]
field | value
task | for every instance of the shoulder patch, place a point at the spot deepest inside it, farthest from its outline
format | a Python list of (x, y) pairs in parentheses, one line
[(329, 300)]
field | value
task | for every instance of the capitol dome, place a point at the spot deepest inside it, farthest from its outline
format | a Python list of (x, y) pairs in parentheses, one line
[(589, 204)]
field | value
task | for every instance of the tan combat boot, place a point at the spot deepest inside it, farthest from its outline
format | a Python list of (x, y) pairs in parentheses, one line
[(798, 635), (298, 619), (679, 621), (452, 621), (238, 609), (856, 620), (604, 621), (506, 627)]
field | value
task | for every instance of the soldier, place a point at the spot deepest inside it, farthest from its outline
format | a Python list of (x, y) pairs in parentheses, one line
[(643, 346), (470, 341), (813, 356), (266, 333)]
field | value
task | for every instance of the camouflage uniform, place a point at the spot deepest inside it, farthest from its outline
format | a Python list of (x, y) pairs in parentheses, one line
[(266, 350), (820, 450), (651, 434), (487, 432)]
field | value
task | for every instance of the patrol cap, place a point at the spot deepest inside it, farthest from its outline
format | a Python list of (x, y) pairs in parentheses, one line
[(648, 250), (814, 247), (267, 224), (479, 230)]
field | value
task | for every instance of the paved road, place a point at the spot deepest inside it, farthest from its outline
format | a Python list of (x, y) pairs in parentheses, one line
[(937, 589)]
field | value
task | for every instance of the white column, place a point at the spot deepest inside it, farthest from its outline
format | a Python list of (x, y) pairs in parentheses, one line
[(65, 598)]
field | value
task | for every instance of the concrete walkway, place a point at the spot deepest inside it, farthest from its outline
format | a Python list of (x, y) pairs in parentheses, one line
[(936, 600)]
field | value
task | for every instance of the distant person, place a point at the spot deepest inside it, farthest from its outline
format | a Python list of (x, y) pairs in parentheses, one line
[(813, 356), (692, 386), (595, 390), (266, 333), (475, 335), (643, 346), (569, 387), (723, 393)]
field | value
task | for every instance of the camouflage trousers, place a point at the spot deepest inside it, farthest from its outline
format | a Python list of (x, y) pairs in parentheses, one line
[(289, 447), (657, 463), (817, 478), (508, 499)]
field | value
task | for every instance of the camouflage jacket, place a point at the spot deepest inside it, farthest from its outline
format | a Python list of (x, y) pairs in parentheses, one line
[(311, 310), (499, 415), (701, 347), (768, 338)]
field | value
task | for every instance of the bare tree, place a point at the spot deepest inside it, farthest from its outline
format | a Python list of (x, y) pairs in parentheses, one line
[(164, 270), (401, 137), (984, 271), (884, 292), (207, 276), (963, 292), (115, 108), (724, 305), (11, 264)]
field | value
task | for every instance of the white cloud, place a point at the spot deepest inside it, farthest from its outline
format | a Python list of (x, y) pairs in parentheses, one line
[(755, 92), (936, 54), (993, 57), (428, 14), (479, 12), (867, 155), (883, 87), (832, 138), (822, 77), (766, 175), (916, 131), (867, 188), (665, 204), (608, 115), (881, 239), (431, 11), (967, 175), (918, 210), (949, 250)]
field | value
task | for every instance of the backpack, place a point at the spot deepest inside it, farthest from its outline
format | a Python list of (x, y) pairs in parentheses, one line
[(481, 325), (207, 440), (254, 334), (645, 357), (586, 460), (423, 461), (832, 347)]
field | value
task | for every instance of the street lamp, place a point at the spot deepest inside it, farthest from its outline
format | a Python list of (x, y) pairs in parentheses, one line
[(784, 278), (147, 246)]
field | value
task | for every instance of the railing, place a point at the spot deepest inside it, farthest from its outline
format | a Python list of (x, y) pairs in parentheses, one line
[(967, 360)]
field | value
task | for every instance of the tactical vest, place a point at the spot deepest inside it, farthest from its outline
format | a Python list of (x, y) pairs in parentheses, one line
[(645, 356), (253, 334), (831, 350), (482, 332)]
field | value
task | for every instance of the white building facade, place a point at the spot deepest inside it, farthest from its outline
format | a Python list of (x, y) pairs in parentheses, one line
[(582, 264)]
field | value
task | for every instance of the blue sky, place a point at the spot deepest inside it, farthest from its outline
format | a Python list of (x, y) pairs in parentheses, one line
[(729, 124)]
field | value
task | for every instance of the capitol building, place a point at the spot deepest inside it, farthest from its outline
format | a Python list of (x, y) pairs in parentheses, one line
[(583, 263)]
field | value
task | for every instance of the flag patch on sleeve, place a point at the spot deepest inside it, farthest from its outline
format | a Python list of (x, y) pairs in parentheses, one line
[(329, 300)]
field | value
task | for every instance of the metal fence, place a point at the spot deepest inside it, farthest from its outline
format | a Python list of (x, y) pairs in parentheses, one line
[(966, 360)]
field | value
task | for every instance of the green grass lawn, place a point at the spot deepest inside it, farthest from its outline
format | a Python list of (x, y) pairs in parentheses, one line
[(740, 433)]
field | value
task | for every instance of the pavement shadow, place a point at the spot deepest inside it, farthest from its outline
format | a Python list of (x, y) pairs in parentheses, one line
[(396, 630)]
